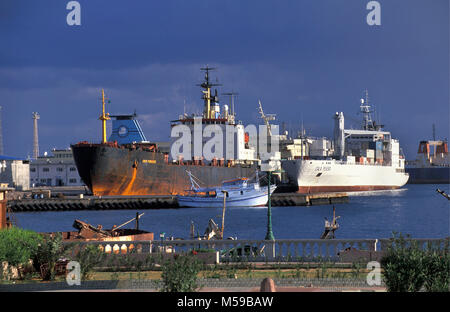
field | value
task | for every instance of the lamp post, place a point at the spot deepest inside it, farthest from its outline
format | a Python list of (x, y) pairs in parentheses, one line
[(225, 194), (269, 234)]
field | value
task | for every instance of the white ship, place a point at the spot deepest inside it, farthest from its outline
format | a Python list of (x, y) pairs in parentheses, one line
[(355, 160), (239, 192)]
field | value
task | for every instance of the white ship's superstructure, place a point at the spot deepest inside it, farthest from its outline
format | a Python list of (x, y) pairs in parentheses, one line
[(365, 159)]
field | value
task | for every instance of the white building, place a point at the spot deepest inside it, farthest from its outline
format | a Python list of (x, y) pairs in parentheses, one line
[(15, 172), (56, 170)]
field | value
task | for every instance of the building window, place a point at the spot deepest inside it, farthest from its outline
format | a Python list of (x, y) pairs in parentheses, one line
[(73, 169), (59, 169), (32, 169), (45, 169), (72, 180)]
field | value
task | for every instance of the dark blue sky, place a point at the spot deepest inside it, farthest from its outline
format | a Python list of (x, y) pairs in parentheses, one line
[(303, 59)]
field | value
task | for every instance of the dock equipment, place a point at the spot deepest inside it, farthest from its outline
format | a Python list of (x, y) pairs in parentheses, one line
[(443, 193), (330, 227)]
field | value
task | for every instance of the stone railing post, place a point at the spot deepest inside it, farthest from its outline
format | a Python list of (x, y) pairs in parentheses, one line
[(270, 250)]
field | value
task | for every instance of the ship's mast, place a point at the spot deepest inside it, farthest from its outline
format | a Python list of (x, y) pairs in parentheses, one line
[(365, 109), (104, 117), (207, 97)]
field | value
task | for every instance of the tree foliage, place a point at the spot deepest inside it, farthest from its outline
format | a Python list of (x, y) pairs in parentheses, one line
[(408, 267), (50, 250), (180, 274), (18, 246), (89, 257)]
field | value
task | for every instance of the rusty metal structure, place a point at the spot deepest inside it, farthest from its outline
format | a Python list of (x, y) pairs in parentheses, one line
[(88, 232), (5, 214), (330, 227)]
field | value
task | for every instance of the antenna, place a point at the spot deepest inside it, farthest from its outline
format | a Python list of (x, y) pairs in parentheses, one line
[(303, 128), (232, 96), (434, 133), (365, 109), (35, 135)]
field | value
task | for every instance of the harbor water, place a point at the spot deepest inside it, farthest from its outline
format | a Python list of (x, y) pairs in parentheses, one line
[(415, 209)]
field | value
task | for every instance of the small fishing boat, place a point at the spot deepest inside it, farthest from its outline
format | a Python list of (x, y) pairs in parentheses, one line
[(239, 192)]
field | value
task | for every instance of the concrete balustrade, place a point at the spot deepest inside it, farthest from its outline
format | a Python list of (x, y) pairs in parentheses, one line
[(282, 250)]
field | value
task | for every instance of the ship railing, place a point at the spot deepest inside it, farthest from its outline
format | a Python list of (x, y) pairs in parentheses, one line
[(282, 250)]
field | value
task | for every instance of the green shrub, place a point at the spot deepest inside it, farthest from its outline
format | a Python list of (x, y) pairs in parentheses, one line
[(437, 271), (18, 246), (180, 274), (403, 265), (89, 257), (49, 252), (407, 267)]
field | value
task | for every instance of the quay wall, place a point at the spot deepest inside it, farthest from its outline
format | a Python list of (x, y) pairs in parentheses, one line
[(155, 202)]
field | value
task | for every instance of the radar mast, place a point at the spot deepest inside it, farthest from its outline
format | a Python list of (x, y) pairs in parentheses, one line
[(207, 97)]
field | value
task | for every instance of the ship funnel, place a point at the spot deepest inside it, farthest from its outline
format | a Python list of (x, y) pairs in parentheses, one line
[(339, 138)]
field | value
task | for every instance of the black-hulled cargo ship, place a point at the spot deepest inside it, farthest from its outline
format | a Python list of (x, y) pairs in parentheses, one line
[(430, 166), (120, 167)]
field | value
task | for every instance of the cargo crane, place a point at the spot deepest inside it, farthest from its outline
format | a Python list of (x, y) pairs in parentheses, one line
[(104, 117), (266, 118)]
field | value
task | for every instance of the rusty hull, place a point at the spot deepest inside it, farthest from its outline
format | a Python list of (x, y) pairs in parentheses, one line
[(122, 170)]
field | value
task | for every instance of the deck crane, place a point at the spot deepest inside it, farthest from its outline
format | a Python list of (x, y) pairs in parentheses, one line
[(266, 118)]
